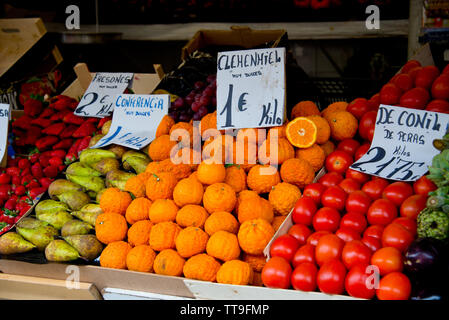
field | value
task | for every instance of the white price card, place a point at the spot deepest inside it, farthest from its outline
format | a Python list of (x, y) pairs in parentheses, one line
[(135, 120), (250, 88), (402, 147), (5, 111), (97, 101)]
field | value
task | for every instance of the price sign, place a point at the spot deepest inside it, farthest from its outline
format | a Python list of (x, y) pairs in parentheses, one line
[(4, 121), (135, 120), (97, 101), (250, 88), (402, 147)]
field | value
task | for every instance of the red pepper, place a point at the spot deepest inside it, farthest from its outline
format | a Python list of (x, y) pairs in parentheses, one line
[(63, 144), (84, 144), (59, 153), (46, 142), (61, 104), (320, 4), (86, 129), (73, 119), (41, 122), (54, 129), (72, 154), (68, 132), (24, 122), (302, 3), (32, 135), (48, 112), (103, 121), (58, 116), (32, 107), (92, 120)]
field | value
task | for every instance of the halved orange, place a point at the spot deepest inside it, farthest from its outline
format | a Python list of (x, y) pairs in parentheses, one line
[(301, 132)]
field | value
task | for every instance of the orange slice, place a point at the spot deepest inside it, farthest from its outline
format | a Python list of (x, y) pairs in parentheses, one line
[(301, 132)]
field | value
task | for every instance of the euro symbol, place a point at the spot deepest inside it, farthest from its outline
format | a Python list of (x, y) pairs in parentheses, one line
[(242, 101)]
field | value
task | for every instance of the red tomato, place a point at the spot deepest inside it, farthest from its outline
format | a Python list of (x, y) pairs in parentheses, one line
[(446, 69), (438, 105), (304, 277), (382, 211), (314, 191), (300, 232), (423, 186), (276, 273), (356, 282), (355, 252), (413, 72), (338, 161), (440, 87), (357, 176), (314, 237), (367, 125), (349, 185), (410, 65), (413, 205), (407, 223), (347, 234), (426, 76), (394, 286), (358, 107), (326, 219), (373, 243), (397, 192), (304, 210), (397, 236), (355, 221), (375, 188), (284, 246), (374, 102), (415, 98), (358, 201), (306, 253), (334, 197), (375, 231), (331, 277), (390, 94), (329, 247), (403, 81), (362, 150), (387, 259), (349, 146), (330, 179)]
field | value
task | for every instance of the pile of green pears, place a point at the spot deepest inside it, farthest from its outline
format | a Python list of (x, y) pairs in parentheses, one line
[(63, 227)]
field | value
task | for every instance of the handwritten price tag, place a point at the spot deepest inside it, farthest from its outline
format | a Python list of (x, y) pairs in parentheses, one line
[(251, 88), (402, 146), (97, 101), (135, 120), (4, 120)]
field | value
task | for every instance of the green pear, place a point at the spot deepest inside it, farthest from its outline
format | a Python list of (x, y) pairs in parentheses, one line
[(81, 169), (89, 217), (118, 178), (56, 219), (106, 126), (95, 184), (11, 243), (75, 226), (92, 194), (105, 165), (138, 164), (98, 197), (92, 207), (49, 206), (60, 186), (87, 245), (91, 156), (60, 251), (31, 223), (118, 150), (40, 236), (95, 139), (74, 199), (130, 154)]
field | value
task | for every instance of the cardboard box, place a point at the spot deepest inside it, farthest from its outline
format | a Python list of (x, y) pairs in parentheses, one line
[(238, 36)]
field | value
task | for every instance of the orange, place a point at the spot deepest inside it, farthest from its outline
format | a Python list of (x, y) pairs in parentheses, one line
[(304, 109), (301, 132)]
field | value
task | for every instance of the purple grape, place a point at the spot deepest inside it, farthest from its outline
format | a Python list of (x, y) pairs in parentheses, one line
[(209, 91), (184, 117), (196, 106), (214, 101), (198, 96), (196, 116), (211, 78), (179, 103), (199, 85), (202, 111), (205, 101)]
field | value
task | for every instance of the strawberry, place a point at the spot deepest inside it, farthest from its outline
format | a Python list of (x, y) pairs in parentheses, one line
[(10, 204), (16, 180), (51, 171), (5, 178), (45, 182), (24, 163), (5, 191), (36, 170), (20, 190), (55, 161), (25, 181), (43, 160), (33, 184), (13, 171), (61, 167), (34, 193), (25, 172), (24, 210), (34, 158)]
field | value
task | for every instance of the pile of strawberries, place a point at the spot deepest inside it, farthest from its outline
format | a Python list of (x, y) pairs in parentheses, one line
[(46, 138)]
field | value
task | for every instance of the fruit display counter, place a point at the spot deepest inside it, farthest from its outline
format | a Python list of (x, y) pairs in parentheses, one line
[(259, 213)]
